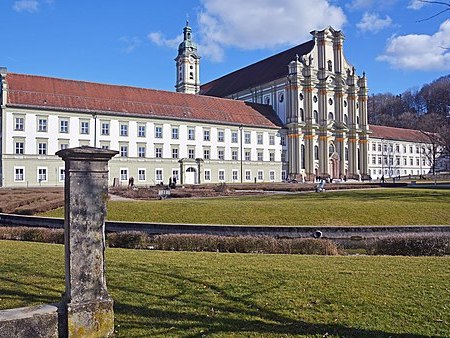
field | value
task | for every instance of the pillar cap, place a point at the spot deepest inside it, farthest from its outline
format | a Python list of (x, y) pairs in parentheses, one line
[(87, 153)]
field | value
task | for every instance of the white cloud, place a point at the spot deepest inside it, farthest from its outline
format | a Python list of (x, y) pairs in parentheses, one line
[(358, 4), (420, 51), (258, 24), (159, 39), (130, 43), (416, 4), (26, 6), (371, 22)]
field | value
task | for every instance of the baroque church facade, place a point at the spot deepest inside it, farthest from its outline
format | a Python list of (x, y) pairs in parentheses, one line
[(321, 101), (297, 115)]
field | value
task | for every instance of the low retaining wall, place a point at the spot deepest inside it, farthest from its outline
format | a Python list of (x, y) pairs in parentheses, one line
[(331, 232), (36, 321)]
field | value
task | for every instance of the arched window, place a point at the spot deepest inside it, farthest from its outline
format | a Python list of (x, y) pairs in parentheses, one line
[(330, 65), (281, 97), (346, 153), (330, 149), (345, 118), (316, 152), (357, 119), (330, 101), (302, 115), (300, 96), (330, 116), (316, 116), (315, 98)]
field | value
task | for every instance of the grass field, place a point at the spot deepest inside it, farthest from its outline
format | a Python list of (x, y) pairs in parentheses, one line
[(357, 207), (177, 294)]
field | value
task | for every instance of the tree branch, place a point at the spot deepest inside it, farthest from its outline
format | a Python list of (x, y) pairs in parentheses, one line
[(436, 3)]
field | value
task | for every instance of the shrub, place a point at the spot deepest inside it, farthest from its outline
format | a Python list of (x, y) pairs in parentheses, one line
[(33, 234), (410, 246), (244, 244), (128, 240)]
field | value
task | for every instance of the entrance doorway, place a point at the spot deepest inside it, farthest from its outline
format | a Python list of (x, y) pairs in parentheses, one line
[(191, 175)]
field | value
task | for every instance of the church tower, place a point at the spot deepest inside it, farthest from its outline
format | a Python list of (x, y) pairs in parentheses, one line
[(188, 64)]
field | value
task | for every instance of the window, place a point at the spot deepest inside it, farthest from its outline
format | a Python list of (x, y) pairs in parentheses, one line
[(234, 137), (105, 128), (220, 136), (207, 175), (316, 153), (374, 146), (19, 174), (379, 147), (62, 174), (141, 130), (247, 138), (206, 154), (124, 151), (330, 116), (345, 119), (105, 146), (175, 153), (124, 130), (283, 156), (158, 175), (19, 123), (247, 155), (191, 153), (234, 175), (141, 151), (411, 149), (19, 148), (175, 174), (175, 133), (206, 136), (330, 101), (374, 160), (379, 159), (316, 116), (315, 98), (260, 175), (42, 148), (141, 174), (272, 140), (221, 175), (405, 161), (272, 175), (260, 156), (64, 146), (248, 175), (191, 134), (220, 154), (42, 124), (259, 138), (42, 175), (283, 140), (124, 174), (417, 162), (271, 156), (63, 126), (84, 127), (397, 148), (158, 152), (281, 97), (234, 155), (158, 132)]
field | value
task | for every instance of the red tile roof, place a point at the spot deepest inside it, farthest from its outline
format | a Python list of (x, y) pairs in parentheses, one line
[(264, 71), (80, 96), (400, 134)]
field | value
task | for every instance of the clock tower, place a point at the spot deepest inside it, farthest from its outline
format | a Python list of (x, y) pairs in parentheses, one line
[(188, 64)]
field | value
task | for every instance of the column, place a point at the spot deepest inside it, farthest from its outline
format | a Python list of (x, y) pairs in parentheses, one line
[(86, 302)]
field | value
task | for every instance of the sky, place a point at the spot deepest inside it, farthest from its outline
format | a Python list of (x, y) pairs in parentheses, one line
[(135, 42)]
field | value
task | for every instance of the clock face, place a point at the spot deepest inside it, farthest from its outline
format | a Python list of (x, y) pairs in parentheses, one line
[(191, 59)]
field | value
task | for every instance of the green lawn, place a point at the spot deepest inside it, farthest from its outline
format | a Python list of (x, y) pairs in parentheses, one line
[(178, 294), (357, 207)]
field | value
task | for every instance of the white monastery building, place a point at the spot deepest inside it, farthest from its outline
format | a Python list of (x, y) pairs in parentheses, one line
[(299, 114)]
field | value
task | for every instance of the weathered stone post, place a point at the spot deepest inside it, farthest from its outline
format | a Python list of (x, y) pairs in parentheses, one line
[(87, 306)]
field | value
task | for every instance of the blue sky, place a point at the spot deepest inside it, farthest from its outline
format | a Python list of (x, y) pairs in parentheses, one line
[(134, 42)]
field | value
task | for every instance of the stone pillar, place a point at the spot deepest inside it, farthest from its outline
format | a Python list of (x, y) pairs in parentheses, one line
[(87, 305)]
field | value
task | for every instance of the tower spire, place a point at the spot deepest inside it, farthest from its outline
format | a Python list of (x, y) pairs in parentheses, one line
[(187, 63)]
